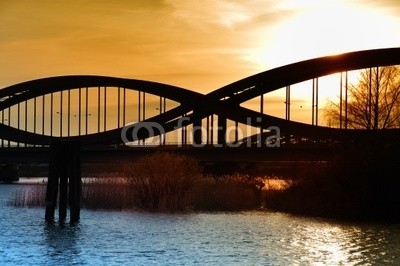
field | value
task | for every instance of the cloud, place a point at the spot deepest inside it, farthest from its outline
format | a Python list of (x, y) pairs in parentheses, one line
[(196, 44), (227, 14), (392, 6)]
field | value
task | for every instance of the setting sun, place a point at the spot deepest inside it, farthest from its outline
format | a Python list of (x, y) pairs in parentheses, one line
[(321, 28)]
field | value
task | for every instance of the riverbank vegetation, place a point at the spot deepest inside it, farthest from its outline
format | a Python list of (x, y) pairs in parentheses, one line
[(164, 182), (362, 184)]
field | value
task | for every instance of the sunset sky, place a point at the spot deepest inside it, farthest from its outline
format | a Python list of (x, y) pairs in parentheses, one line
[(199, 45)]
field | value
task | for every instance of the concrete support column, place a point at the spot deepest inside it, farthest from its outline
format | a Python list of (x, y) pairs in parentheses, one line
[(197, 132), (64, 175), (222, 124)]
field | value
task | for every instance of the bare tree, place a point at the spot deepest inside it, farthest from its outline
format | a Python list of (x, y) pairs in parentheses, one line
[(372, 103)]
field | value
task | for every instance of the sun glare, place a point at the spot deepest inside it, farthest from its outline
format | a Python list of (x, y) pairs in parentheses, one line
[(322, 28), (326, 29)]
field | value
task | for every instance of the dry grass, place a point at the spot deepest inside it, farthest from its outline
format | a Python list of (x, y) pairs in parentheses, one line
[(163, 182), (33, 196), (106, 193), (228, 193)]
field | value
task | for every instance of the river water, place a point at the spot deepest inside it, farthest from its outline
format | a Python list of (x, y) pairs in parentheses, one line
[(244, 238)]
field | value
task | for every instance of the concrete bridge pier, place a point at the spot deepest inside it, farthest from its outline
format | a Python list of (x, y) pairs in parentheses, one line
[(197, 132), (222, 127), (64, 175)]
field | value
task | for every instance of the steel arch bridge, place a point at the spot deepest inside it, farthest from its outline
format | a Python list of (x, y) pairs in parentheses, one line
[(96, 110)]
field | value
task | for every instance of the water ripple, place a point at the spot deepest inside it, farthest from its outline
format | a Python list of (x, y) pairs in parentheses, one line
[(246, 238)]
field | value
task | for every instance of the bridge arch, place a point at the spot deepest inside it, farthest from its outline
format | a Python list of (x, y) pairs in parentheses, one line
[(238, 92), (196, 109), (47, 89)]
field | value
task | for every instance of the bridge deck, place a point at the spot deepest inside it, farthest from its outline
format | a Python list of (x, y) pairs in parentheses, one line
[(204, 154)]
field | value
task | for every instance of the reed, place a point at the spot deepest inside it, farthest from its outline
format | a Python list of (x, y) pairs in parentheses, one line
[(228, 193), (362, 185), (33, 196), (106, 193), (162, 182)]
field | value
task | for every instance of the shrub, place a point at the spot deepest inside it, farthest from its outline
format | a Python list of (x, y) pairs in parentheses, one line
[(162, 181), (106, 193), (358, 186), (228, 193)]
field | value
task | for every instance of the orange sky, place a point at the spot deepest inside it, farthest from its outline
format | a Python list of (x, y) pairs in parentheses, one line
[(199, 45)]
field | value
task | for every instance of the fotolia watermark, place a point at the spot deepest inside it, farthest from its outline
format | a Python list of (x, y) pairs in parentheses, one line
[(136, 130), (154, 133)]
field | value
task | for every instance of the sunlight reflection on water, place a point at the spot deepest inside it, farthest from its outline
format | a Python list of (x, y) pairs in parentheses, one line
[(135, 238)]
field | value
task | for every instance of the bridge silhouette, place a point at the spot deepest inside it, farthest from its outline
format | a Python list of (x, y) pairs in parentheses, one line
[(127, 117)]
